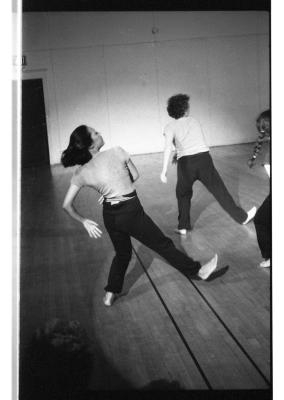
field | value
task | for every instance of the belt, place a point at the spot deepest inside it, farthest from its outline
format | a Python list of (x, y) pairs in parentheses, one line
[(118, 199)]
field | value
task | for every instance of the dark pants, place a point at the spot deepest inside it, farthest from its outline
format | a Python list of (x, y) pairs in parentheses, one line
[(200, 167), (262, 222), (128, 219)]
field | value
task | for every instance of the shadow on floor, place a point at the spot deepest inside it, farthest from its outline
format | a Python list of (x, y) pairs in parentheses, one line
[(147, 257), (203, 198), (58, 362)]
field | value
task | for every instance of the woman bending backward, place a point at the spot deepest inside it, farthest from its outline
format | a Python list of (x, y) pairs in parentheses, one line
[(112, 174)]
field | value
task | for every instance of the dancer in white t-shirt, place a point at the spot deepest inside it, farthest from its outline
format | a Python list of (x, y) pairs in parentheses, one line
[(112, 173), (194, 162)]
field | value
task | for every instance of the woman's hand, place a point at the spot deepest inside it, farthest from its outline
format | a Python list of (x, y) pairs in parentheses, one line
[(92, 228), (163, 177), (174, 159)]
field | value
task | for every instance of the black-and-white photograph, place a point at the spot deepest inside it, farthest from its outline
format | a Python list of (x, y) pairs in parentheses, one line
[(142, 153)]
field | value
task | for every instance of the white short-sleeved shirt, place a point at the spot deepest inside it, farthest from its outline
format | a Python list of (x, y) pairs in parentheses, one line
[(106, 172), (187, 136)]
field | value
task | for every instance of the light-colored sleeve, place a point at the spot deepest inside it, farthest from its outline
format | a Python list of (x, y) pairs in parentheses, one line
[(267, 169), (77, 179), (169, 133), (266, 149)]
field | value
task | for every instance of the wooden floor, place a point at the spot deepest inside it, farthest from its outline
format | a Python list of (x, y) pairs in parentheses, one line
[(165, 331)]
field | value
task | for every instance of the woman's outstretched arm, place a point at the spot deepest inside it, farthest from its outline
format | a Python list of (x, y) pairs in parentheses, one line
[(89, 225)]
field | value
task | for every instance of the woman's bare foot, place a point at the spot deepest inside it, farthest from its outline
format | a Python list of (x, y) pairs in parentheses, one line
[(108, 299), (181, 232), (265, 263), (207, 269)]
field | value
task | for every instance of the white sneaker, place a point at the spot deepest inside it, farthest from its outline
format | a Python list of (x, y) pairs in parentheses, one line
[(108, 299), (265, 263), (207, 269), (182, 232), (251, 214)]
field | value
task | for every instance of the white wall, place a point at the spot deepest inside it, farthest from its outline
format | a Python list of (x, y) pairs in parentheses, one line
[(108, 70)]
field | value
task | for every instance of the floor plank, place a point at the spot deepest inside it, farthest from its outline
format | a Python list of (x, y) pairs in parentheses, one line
[(242, 295), (219, 356)]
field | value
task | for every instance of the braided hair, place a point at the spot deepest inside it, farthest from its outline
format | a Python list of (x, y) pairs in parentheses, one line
[(264, 132)]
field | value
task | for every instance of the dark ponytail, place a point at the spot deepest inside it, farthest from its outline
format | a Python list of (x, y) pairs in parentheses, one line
[(77, 152)]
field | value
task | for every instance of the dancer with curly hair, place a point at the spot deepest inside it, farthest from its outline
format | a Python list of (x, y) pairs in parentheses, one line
[(194, 162), (112, 173)]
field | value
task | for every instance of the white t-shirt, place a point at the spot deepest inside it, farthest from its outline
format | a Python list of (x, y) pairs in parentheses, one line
[(187, 136), (107, 173)]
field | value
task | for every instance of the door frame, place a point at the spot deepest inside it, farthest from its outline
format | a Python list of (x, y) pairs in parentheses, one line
[(42, 74)]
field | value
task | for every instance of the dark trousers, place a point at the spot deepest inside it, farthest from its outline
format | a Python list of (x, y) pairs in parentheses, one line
[(200, 167), (128, 219), (262, 222)]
